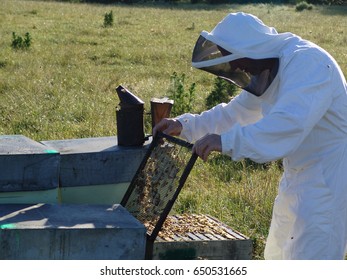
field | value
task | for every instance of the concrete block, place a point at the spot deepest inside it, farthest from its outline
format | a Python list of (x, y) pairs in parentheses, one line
[(70, 232), (26, 165)]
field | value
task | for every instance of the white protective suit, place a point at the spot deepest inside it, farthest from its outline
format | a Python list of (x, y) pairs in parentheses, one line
[(302, 119)]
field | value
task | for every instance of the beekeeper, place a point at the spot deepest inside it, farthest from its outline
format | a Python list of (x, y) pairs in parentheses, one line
[(293, 106)]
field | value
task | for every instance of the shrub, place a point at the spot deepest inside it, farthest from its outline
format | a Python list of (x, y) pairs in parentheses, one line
[(183, 100), (221, 93), (18, 42), (108, 19), (303, 6)]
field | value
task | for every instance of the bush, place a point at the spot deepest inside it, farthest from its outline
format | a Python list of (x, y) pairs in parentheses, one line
[(18, 42), (108, 19), (221, 93), (183, 100), (303, 6)]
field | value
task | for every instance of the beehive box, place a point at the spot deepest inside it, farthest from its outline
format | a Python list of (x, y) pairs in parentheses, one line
[(70, 232), (29, 171), (200, 237), (95, 170)]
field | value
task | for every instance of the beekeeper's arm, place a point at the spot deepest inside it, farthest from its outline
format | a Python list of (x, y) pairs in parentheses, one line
[(306, 93), (243, 109)]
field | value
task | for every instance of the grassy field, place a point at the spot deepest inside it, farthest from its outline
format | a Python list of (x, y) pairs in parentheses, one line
[(63, 86)]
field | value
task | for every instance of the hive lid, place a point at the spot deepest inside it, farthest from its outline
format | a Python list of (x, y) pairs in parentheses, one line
[(26, 165), (22, 145)]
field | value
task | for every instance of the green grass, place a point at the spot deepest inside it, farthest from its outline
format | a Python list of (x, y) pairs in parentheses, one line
[(63, 86)]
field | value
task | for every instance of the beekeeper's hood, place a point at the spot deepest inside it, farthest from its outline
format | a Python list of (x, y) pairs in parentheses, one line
[(239, 36)]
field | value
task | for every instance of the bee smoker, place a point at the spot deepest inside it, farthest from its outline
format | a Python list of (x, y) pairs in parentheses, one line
[(129, 115)]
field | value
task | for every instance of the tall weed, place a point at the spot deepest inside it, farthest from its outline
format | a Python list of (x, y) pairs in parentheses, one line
[(221, 93), (183, 98), (19, 42), (108, 19)]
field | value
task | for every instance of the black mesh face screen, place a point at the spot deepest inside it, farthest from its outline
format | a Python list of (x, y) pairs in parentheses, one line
[(158, 181)]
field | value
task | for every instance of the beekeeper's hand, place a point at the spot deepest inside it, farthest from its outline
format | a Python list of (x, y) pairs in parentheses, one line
[(168, 126), (205, 145)]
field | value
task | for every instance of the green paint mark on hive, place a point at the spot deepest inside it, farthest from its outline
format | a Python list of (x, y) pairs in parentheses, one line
[(7, 226), (51, 151)]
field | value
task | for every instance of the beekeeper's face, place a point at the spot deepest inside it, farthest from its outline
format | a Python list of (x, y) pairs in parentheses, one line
[(253, 75)]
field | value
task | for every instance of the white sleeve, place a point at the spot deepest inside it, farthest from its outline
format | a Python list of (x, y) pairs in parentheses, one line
[(305, 94), (243, 109)]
